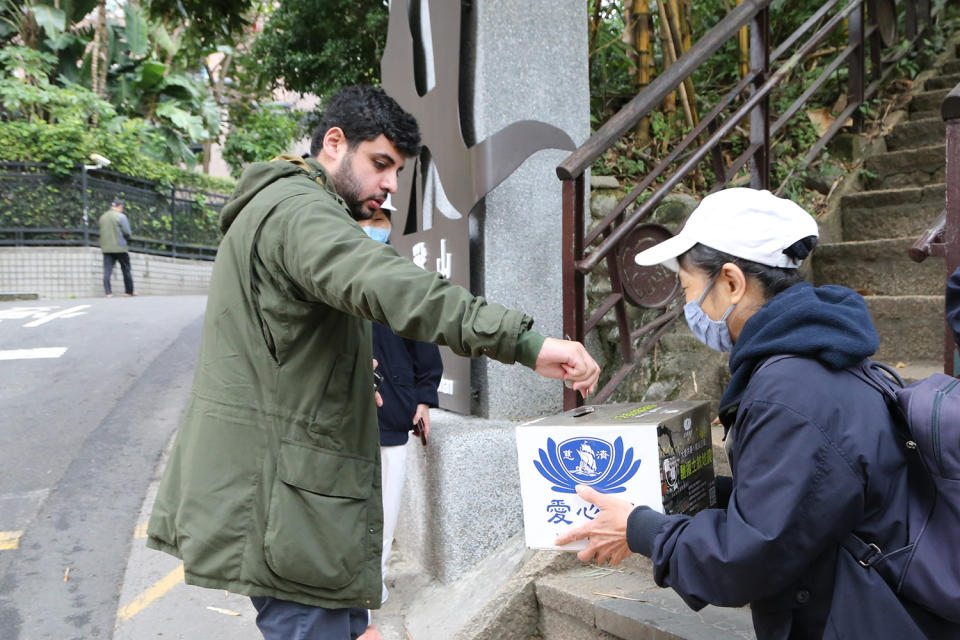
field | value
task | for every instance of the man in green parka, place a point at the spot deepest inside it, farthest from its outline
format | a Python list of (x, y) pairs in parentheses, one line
[(272, 488)]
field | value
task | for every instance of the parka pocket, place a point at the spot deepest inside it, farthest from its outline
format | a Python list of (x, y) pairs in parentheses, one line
[(332, 402), (317, 521)]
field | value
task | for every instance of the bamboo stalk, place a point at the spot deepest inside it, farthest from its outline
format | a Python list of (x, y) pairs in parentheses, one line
[(671, 48), (637, 36), (743, 39), (670, 101), (594, 26), (679, 49)]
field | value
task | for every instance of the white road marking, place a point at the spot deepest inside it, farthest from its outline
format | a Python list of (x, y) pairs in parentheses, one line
[(30, 354), (72, 312)]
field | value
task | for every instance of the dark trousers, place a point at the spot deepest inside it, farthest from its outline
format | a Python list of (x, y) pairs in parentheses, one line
[(109, 259), (285, 620)]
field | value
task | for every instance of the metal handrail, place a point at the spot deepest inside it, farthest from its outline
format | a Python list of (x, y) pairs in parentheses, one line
[(648, 99), (584, 249), (942, 238)]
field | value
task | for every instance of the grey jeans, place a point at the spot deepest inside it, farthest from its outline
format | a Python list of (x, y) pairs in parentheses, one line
[(285, 620)]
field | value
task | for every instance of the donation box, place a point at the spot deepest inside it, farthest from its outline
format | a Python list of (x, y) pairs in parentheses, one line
[(657, 454)]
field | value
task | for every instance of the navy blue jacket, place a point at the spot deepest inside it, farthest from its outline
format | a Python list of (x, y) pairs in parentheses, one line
[(953, 304), (814, 457), (411, 374)]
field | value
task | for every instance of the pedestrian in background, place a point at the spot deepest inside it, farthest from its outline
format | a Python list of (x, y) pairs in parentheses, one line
[(114, 234), (410, 372), (272, 487)]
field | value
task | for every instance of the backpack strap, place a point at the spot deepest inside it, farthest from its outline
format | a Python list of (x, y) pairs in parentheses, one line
[(865, 554)]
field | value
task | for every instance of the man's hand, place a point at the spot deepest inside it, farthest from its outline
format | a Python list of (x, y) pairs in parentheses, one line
[(376, 394), (423, 413), (607, 533), (568, 361)]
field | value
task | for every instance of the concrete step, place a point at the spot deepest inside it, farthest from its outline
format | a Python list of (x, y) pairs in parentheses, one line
[(622, 602), (913, 134), (907, 168), (942, 82), (911, 330), (878, 267), (925, 115), (890, 213), (910, 373), (928, 100), (950, 67)]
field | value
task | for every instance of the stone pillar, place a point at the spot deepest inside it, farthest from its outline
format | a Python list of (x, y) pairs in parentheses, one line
[(519, 61), (529, 62)]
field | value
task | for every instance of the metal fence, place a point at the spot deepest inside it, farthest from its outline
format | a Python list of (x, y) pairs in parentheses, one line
[(875, 42), (38, 207)]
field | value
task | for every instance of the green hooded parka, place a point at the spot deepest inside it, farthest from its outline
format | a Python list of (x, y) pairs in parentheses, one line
[(272, 487)]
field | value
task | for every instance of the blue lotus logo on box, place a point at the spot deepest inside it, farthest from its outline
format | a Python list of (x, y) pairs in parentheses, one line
[(589, 461)]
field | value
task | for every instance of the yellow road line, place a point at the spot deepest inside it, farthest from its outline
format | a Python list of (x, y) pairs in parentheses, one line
[(140, 531), (144, 600), (10, 540)]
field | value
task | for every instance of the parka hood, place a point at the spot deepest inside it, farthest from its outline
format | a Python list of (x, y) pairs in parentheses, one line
[(830, 324), (259, 175)]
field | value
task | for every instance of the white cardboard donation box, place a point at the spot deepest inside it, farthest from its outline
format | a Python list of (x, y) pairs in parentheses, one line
[(657, 454)]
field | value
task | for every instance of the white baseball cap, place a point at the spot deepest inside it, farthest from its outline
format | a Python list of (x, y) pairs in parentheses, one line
[(745, 223)]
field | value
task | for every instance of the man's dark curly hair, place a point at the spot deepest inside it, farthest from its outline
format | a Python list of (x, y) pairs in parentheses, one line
[(363, 113)]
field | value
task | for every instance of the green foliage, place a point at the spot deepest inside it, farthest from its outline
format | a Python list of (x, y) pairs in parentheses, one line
[(63, 125), (211, 21), (259, 136), (125, 142), (34, 98), (319, 46)]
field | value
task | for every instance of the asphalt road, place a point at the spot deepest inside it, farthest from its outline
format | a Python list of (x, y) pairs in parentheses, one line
[(90, 395)]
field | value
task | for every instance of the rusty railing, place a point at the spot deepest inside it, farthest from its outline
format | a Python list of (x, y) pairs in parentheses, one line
[(942, 239), (624, 232)]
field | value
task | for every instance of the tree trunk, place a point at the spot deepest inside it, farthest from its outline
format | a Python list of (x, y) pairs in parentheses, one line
[(98, 61), (670, 102), (744, 40), (680, 30), (636, 35)]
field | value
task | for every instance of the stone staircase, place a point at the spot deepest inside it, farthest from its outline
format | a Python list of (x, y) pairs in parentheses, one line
[(904, 192)]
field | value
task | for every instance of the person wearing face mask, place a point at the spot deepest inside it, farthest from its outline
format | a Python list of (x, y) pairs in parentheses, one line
[(411, 372), (812, 447), (272, 485)]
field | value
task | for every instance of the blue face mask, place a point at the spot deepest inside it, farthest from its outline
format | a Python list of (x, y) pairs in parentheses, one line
[(378, 234), (713, 333)]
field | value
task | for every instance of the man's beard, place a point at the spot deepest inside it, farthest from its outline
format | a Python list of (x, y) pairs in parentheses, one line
[(348, 188)]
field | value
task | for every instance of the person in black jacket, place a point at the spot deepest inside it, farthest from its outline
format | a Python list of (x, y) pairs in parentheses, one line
[(811, 446), (953, 306), (411, 373)]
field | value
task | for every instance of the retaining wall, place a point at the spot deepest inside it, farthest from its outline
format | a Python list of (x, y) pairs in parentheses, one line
[(77, 272)]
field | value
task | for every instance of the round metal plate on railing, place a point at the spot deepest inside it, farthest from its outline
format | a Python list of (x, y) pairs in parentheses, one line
[(885, 15), (651, 287)]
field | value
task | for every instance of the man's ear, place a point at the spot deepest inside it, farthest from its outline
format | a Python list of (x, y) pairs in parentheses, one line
[(734, 281), (334, 143)]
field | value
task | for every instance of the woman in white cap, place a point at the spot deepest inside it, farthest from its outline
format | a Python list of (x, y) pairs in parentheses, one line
[(811, 446)]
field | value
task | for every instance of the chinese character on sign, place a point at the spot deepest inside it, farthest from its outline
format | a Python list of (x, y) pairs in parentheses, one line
[(420, 255), (589, 512), (444, 262), (559, 509)]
